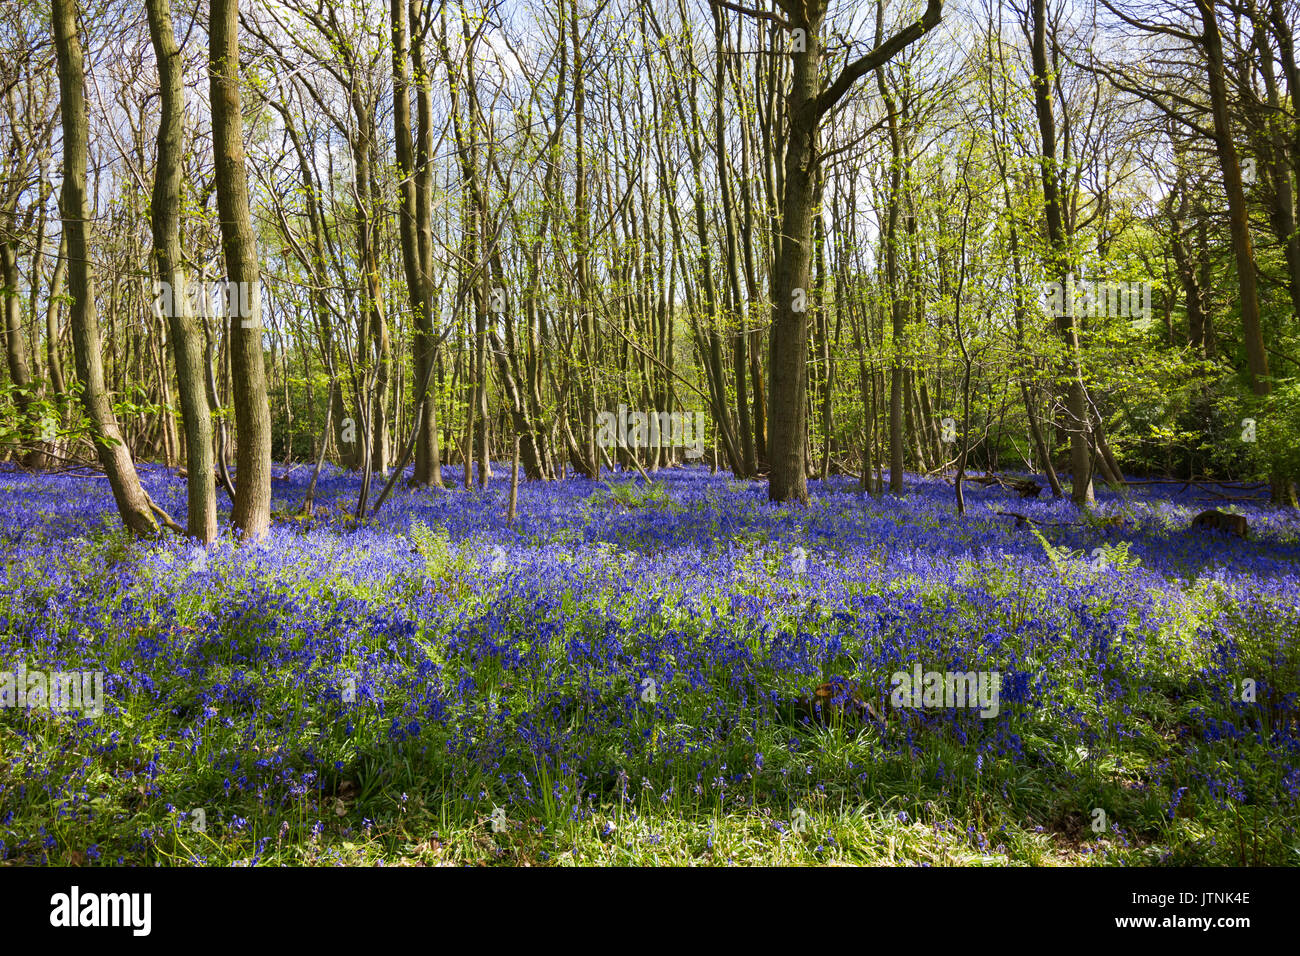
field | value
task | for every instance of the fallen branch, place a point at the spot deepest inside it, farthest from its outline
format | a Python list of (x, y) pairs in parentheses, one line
[(167, 520), (1022, 520), (1027, 487)]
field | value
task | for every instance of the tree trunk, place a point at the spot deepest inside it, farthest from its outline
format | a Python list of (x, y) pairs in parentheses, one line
[(16, 355), (788, 344), (166, 210), (251, 514), (132, 501), (806, 104), (1076, 398), (414, 225)]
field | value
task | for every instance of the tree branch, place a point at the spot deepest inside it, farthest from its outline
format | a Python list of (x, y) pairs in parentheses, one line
[(758, 14), (878, 56)]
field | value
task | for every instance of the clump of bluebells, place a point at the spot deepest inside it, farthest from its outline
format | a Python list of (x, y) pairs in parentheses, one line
[(641, 669)]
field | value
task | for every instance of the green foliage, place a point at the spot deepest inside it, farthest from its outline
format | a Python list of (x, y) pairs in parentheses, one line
[(1069, 563), (631, 495), (440, 558), (136, 404), (1278, 430)]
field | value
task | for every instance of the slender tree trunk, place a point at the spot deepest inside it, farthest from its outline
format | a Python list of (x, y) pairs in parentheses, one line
[(186, 341), (414, 225), (251, 514), (132, 501), (1061, 268), (589, 463), (16, 355)]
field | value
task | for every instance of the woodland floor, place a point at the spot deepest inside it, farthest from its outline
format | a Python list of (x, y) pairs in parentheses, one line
[(626, 675)]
